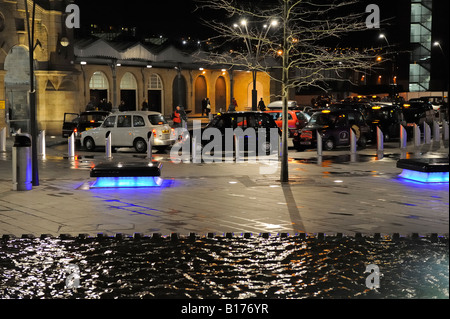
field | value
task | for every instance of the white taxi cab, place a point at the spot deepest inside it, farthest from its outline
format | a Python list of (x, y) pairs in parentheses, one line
[(130, 129)]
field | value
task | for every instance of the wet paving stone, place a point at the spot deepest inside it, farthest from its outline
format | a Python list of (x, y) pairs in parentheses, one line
[(226, 266)]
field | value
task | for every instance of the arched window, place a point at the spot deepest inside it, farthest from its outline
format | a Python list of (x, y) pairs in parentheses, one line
[(155, 82), (99, 81), (128, 92), (128, 82), (155, 93), (99, 88)]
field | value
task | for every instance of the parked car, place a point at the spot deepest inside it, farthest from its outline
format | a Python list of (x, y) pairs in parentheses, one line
[(78, 123), (362, 107), (243, 120), (388, 118), (277, 105), (417, 112), (334, 127), (130, 129), (436, 101), (296, 120)]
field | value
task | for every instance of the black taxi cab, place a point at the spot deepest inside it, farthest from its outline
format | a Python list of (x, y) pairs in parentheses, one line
[(334, 127)]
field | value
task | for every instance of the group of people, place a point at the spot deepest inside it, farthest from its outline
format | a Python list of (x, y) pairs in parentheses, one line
[(102, 106)]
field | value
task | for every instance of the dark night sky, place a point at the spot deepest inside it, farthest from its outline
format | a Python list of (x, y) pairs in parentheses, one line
[(167, 17), (177, 19)]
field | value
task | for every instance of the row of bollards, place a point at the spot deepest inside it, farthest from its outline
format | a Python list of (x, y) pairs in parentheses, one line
[(430, 135), (108, 146)]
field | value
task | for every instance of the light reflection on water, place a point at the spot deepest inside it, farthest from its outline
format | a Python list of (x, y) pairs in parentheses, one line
[(220, 267)]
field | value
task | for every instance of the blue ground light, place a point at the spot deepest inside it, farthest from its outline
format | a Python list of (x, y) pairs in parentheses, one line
[(438, 177), (127, 182)]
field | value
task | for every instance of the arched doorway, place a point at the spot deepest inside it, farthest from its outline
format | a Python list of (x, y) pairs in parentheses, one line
[(179, 92), (128, 92), (155, 93), (221, 94), (17, 85), (201, 92), (98, 88)]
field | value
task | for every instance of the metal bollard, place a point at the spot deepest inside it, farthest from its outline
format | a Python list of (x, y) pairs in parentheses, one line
[(194, 150), (403, 137), (417, 135), (71, 150), (150, 146), (3, 140), (352, 141), (21, 163), (319, 144), (436, 132), (108, 145), (237, 150), (427, 133), (445, 130), (41, 144), (380, 140)]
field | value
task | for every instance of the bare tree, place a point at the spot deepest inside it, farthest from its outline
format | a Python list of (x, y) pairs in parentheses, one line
[(294, 37)]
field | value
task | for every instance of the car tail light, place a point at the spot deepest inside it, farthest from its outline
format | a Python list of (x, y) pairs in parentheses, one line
[(154, 132), (75, 131)]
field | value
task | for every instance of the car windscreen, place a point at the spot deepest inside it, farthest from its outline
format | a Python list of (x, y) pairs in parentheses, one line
[(322, 119), (157, 119)]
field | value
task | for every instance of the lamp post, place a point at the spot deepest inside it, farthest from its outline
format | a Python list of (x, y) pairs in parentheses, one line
[(32, 94), (254, 55), (438, 44), (383, 36)]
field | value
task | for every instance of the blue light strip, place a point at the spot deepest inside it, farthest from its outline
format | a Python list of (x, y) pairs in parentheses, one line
[(440, 177), (127, 182)]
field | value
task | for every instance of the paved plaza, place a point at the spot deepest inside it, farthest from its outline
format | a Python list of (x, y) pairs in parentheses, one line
[(336, 193)]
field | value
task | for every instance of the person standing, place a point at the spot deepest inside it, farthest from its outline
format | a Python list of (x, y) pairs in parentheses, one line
[(204, 105), (176, 117), (262, 105), (208, 106), (233, 106), (145, 106)]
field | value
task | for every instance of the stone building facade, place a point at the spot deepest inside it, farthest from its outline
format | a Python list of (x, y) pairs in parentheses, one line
[(71, 73)]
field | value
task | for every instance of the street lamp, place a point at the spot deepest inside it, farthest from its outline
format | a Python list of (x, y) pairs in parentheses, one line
[(254, 55), (383, 36), (32, 93)]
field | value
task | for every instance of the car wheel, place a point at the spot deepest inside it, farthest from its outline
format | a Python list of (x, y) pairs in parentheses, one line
[(329, 145), (140, 145), (89, 144)]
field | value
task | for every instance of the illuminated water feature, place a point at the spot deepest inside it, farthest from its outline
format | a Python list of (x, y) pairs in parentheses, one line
[(235, 267), (440, 177)]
